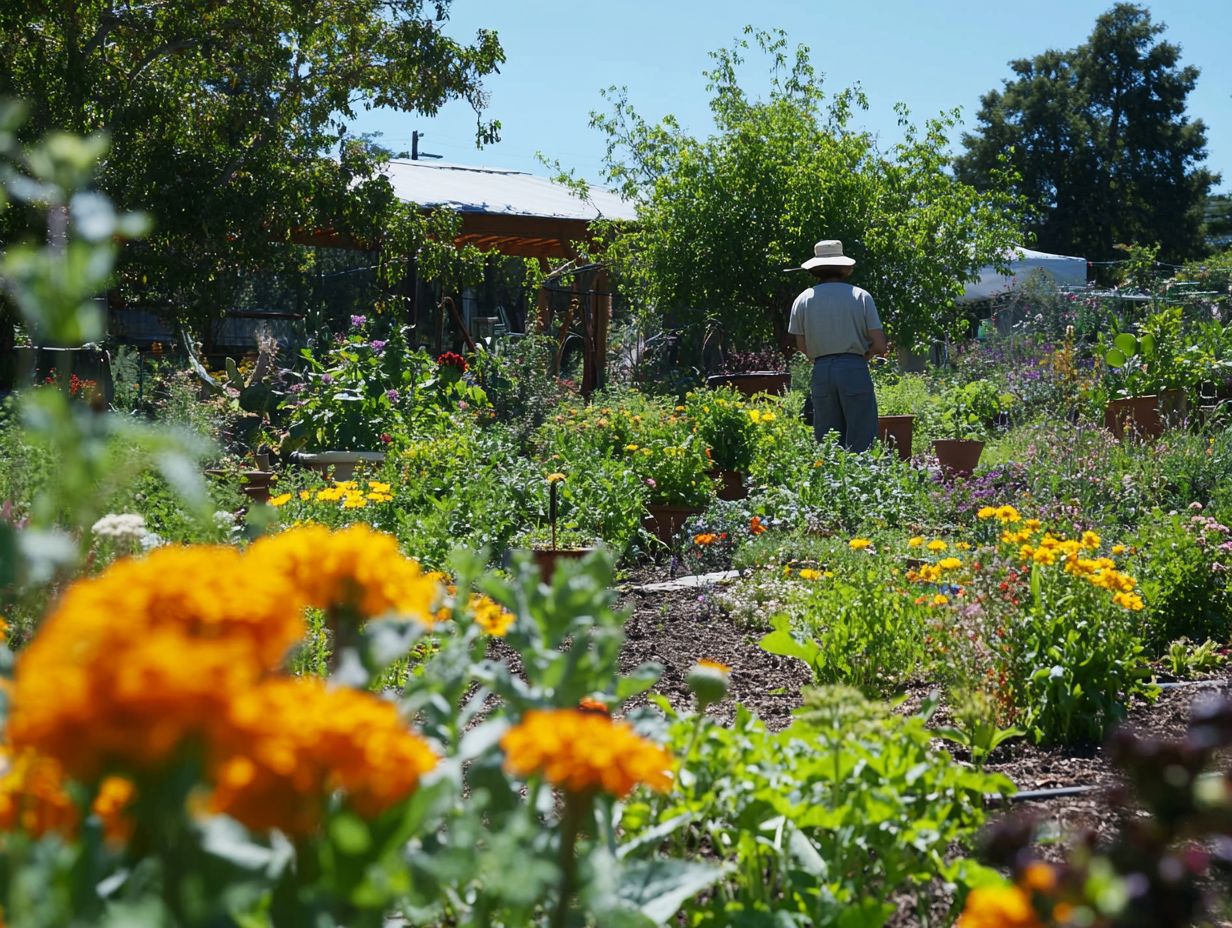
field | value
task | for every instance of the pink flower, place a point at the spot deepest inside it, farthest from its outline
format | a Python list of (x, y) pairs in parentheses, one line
[(650, 482)]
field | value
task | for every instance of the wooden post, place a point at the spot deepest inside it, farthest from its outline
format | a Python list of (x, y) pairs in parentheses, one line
[(603, 322)]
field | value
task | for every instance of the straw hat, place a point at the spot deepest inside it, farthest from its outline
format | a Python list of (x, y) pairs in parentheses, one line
[(828, 254)]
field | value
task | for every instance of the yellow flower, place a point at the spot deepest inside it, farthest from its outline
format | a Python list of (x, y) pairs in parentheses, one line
[(998, 907), (494, 619), (858, 544), (375, 486), (555, 478), (631, 447), (768, 416), (354, 502), (1119, 549), (1033, 524), (940, 599), (754, 415), (713, 665), (949, 563), (1007, 514), (937, 545), (915, 541), (280, 500), (987, 512), (380, 497), (808, 573), (963, 546), (305, 495), (583, 752), (1131, 601), (705, 538), (1091, 540)]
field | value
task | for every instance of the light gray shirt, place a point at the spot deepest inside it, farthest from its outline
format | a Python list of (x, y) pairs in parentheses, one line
[(834, 318)]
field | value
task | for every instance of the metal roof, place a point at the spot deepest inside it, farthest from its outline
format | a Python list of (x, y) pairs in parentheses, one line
[(498, 191)]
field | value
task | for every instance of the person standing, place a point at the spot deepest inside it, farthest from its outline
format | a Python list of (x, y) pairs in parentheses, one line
[(836, 324)]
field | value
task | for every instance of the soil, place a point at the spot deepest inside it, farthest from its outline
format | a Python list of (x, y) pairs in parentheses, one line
[(676, 628)]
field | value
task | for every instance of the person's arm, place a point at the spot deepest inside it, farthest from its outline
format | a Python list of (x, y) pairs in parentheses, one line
[(800, 345), (877, 344)]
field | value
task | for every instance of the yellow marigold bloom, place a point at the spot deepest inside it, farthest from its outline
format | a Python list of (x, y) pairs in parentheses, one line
[(1091, 540), (1007, 514), (287, 745), (940, 599), (357, 568), (1045, 556), (987, 512), (808, 573), (998, 907), (858, 544), (915, 541), (1033, 524), (949, 563), (768, 416), (556, 477), (305, 495), (493, 618), (963, 546), (329, 495), (631, 447), (713, 665), (929, 573), (33, 799), (1119, 549), (583, 751), (353, 501), (937, 545), (755, 415), (380, 497), (375, 486), (280, 500), (679, 409)]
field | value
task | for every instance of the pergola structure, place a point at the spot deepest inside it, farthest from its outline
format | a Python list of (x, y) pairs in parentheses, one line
[(521, 215)]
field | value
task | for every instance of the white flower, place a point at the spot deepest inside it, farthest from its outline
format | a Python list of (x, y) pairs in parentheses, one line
[(224, 519), (125, 526)]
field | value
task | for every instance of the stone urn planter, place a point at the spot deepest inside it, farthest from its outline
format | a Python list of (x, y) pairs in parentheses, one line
[(729, 483), (546, 559), (664, 522), (752, 383), (1134, 417), (958, 456), (257, 485), (338, 464), (895, 432)]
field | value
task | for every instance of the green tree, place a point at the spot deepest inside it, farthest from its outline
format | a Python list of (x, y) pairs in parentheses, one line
[(229, 121), (723, 219), (1101, 142)]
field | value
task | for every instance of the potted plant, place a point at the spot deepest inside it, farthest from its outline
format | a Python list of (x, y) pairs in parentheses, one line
[(674, 472), (561, 542), (753, 372), (723, 423), (1133, 409), (967, 411)]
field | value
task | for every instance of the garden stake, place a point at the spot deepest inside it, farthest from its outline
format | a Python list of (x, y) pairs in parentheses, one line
[(552, 510)]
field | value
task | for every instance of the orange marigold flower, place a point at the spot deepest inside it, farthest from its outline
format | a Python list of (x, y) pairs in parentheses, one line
[(1038, 877), (287, 745), (33, 798), (998, 907), (587, 704), (705, 538), (493, 618), (357, 568), (756, 526), (583, 751), (713, 665)]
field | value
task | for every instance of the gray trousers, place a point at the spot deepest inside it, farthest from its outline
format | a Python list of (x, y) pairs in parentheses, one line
[(844, 401)]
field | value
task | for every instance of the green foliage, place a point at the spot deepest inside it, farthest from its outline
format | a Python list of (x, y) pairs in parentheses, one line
[(975, 725), (1188, 661), (968, 410), (1100, 141), (779, 174), (822, 823), (723, 423), (239, 109)]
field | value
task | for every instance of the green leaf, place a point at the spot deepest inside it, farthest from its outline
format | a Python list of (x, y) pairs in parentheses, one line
[(1127, 344), (350, 833), (1115, 358), (657, 888), (781, 641)]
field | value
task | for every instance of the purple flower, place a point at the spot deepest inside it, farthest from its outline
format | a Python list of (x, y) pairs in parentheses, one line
[(296, 388), (357, 321), (391, 395), (327, 378), (377, 345)]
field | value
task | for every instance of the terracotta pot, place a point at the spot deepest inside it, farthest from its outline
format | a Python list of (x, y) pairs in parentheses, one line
[(730, 483), (958, 456), (546, 559), (339, 464), (665, 521), (752, 383), (1134, 417), (895, 432)]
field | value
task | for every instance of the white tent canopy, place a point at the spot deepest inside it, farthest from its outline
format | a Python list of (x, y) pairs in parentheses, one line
[(1063, 270)]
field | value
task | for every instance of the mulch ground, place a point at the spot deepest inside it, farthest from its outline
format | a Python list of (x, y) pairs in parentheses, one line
[(676, 628)]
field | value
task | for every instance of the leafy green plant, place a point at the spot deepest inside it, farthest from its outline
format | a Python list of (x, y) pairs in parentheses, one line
[(723, 422), (975, 725), (1188, 661), (968, 410)]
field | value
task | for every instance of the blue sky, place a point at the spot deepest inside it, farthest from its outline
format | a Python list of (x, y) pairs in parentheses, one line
[(932, 56)]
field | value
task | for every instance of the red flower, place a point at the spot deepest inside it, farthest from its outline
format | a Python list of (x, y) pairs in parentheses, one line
[(386, 438), (452, 359)]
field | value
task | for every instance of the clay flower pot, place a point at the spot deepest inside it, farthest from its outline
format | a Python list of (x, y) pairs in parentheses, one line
[(665, 521), (752, 383), (546, 559), (1134, 417), (340, 463), (730, 483), (895, 432), (958, 456)]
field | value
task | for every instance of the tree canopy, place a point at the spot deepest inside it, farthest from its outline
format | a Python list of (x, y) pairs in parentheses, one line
[(229, 120), (723, 219), (1101, 142)]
